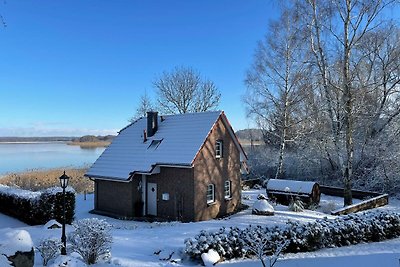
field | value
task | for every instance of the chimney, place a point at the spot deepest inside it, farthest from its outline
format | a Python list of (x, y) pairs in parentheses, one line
[(152, 123), (144, 136)]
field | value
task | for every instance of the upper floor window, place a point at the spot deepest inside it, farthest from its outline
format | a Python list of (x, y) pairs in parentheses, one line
[(219, 146), (228, 189), (210, 194)]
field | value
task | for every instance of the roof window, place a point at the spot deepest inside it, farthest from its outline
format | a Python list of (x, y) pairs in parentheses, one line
[(154, 144)]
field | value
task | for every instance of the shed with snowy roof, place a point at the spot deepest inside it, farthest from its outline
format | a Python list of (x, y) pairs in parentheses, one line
[(180, 167), (286, 190)]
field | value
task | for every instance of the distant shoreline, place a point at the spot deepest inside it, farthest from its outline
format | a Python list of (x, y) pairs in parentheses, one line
[(89, 144), (72, 143), (31, 142)]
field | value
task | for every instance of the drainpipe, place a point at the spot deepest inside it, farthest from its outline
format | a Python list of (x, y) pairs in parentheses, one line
[(144, 191)]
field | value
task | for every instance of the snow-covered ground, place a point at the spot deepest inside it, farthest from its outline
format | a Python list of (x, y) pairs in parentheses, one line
[(135, 243)]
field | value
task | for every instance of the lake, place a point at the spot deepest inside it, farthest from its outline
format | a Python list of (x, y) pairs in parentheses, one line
[(17, 157)]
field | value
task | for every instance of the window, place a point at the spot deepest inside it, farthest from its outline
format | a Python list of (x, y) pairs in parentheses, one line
[(210, 194), (218, 149), (154, 144), (227, 189)]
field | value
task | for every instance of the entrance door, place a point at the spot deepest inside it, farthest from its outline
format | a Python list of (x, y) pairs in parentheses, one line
[(152, 199)]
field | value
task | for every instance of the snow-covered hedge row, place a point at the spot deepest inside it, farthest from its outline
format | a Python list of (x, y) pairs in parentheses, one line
[(37, 207), (232, 243)]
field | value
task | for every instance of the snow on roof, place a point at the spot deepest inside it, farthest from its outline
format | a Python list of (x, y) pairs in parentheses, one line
[(180, 136), (290, 186)]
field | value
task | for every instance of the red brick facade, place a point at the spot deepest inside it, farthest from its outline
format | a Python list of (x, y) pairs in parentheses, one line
[(186, 188)]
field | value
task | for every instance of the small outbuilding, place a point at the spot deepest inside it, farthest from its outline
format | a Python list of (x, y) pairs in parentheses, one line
[(283, 191)]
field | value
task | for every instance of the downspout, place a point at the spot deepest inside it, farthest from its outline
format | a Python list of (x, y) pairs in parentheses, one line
[(144, 190)]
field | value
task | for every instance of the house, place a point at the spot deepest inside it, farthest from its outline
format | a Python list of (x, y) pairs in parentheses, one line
[(178, 167)]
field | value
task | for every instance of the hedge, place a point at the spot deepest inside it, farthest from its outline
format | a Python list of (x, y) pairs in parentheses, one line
[(36, 208), (372, 226)]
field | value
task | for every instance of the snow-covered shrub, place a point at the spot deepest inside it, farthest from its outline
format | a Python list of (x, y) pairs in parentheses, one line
[(296, 205), (91, 239), (51, 203), (49, 249), (37, 207), (346, 230), (262, 207), (226, 242)]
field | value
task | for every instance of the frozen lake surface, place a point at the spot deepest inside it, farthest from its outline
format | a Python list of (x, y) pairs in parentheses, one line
[(16, 157)]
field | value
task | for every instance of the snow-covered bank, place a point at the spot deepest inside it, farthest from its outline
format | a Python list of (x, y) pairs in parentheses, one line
[(134, 243)]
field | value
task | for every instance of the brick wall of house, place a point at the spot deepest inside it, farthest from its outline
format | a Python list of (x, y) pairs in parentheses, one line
[(117, 198), (178, 183), (210, 170)]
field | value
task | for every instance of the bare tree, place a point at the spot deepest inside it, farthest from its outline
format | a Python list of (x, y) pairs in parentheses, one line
[(145, 105), (2, 21), (183, 90), (277, 84), (337, 28)]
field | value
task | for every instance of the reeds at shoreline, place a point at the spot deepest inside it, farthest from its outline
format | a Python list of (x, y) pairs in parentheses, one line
[(89, 144), (36, 180)]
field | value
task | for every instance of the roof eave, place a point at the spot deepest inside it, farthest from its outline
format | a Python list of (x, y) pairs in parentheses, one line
[(108, 178)]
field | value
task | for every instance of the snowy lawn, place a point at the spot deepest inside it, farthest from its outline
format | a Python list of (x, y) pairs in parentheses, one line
[(135, 243)]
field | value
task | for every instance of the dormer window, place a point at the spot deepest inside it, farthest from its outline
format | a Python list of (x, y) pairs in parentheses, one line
[(219, 149), (154, 144)]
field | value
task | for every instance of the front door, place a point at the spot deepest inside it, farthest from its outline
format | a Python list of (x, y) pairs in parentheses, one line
[(152, 199)]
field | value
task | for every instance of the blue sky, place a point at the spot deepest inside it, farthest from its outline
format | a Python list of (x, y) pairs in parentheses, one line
[(79, 67)]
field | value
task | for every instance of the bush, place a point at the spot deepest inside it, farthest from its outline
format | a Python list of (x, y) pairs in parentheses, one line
[(49, 249), (37, 207), (296, 205), (351, 229), (225, 242), (88, 138), (91, 239)]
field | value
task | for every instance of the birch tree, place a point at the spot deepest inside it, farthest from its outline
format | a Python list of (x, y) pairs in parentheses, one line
[(337, 29), (277, 85), (144, 106)]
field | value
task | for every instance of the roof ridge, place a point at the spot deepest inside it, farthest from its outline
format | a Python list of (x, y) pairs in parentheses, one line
[(193, 113), (130, 124)]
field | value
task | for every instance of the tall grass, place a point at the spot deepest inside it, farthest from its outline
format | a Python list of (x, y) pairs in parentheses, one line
[(90, 144), (36, 180)]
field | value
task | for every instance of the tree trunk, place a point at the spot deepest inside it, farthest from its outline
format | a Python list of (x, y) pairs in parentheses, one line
[(348, 112), (279, 170), (282, 146)]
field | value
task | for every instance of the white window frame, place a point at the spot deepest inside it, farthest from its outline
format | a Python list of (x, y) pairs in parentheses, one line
[(210, 197), (219, 149), (228, 189)]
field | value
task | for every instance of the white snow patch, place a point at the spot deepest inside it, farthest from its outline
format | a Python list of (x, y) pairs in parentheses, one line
[(67, 261), (14, 240), (210, 258), (26, 194), (52, 224), (134, 242), (262, 206)]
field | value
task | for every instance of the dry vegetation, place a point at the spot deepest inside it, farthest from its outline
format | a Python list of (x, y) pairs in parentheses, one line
[(90, 144), (40, 179)]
